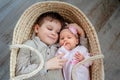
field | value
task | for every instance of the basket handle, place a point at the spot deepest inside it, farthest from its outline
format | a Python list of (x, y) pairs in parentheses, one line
[(84, 61), (24, 76)]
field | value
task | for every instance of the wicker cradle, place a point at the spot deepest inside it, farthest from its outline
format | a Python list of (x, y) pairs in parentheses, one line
[(23, 31)]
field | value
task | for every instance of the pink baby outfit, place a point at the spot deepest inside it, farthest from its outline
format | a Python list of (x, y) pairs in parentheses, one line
[(83, 71)]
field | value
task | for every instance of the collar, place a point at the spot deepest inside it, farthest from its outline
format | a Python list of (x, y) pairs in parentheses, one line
[(39, 43)]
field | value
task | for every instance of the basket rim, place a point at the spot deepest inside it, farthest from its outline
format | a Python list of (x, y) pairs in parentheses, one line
[(22, 31)]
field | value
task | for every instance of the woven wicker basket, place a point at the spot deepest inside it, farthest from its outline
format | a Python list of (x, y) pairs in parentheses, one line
[(23, 31)]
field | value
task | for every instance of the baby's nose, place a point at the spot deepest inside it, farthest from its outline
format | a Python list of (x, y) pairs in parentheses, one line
[(64, 43)]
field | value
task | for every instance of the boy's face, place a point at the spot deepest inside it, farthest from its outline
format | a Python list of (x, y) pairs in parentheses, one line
[(67, 39), (48, 31)]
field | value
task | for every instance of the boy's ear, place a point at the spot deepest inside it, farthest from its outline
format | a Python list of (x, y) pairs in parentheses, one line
[(36, 28)]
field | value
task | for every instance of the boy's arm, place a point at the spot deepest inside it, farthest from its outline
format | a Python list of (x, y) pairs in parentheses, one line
[(81, 33), (56, 62), (23, 62), (79, 29)]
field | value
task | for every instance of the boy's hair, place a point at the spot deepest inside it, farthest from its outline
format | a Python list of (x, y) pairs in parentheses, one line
[(49, 16)]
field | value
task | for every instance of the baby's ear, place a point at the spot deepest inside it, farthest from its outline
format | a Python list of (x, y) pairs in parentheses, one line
[(77, 41)]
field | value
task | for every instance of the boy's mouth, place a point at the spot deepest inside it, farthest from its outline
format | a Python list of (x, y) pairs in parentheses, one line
[(53, 38)]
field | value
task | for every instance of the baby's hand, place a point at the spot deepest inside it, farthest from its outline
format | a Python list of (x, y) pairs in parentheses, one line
[(79, 57)]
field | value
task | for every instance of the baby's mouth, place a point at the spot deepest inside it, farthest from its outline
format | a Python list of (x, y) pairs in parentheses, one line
[(67, 46)]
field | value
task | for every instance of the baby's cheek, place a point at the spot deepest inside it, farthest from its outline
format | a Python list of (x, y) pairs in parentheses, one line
[(61, 43)]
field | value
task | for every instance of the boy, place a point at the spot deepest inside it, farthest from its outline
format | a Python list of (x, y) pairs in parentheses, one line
[(46, 29)]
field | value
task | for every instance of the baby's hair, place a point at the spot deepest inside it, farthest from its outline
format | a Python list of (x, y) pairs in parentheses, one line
[(49, 16)]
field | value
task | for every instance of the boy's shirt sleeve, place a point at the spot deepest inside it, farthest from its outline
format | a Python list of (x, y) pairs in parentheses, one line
[(24, 64), (23, 61)]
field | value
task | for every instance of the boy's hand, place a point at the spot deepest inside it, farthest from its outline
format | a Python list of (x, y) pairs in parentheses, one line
[(56, 62), (79, 57), (79, 29)]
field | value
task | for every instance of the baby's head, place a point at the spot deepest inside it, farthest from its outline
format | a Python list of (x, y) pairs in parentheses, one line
[(47, 27), (69, 37)]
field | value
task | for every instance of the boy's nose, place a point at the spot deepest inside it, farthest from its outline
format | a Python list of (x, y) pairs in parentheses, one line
[(53, 33)]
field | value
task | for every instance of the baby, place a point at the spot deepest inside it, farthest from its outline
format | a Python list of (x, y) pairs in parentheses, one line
[(74, 52)]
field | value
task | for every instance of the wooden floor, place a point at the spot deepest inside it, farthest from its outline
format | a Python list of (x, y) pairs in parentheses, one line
[(107, 27)]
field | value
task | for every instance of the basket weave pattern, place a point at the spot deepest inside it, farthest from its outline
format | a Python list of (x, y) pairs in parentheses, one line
[(23, 31)]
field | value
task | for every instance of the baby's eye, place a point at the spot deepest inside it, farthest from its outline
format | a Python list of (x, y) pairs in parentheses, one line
[(62, 38), (69, 37)]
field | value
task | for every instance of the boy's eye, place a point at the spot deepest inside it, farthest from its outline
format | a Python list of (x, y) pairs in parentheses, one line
[(50, 29)]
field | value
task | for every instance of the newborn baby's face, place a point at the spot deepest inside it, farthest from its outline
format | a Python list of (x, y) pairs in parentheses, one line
[(67, 39)]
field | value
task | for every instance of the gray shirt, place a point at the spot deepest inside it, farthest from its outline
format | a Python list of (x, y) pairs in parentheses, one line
[(28, 61)]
